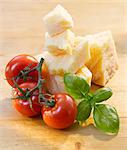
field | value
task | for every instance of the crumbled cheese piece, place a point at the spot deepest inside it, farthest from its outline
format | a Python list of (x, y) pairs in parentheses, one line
[(60, 44), (58, 20)]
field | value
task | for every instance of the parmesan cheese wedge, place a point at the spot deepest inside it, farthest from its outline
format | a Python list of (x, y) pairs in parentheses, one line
[(104, 62), (56, 82), (80, 47), (61, 64), (60, 44), (58, 20)]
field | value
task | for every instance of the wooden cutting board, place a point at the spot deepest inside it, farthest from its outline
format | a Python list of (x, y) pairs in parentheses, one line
[(22, 31)]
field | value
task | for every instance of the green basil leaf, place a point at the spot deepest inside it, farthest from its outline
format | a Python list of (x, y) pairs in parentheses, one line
[(76, 86), (102, 94), (84, 110), (106, 118)]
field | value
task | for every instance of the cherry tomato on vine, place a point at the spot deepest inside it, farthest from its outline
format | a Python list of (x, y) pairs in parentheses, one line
[(24, 105), (62, 114), (20, 64)]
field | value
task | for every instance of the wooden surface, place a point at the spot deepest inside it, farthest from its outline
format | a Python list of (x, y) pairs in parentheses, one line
[(22, 31)]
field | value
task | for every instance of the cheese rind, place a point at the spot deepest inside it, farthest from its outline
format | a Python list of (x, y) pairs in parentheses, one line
[(60, 44), (58, 20), (104, 62)]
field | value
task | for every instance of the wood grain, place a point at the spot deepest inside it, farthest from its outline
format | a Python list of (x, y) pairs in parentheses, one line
[(22, 31)]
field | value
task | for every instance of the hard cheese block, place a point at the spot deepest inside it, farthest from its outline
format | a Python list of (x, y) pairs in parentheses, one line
[(104, 62), (85, 73), (60, 44), (80, 47), (56, 82), (58, 65), (58, 20)]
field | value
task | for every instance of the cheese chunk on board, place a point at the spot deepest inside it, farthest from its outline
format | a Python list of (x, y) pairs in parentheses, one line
[(104, 62), (85, 73), (58, 20), (61, 64), (56, 82), (60, 44), (80, 47)]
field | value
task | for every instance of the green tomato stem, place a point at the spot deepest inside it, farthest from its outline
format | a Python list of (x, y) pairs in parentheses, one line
[(27, 94)]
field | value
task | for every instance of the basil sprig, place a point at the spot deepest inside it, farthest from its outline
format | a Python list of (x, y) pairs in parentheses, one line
[(105, 117), (76, 86)]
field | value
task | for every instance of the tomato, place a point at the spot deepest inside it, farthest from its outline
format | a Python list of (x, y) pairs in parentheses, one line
[(17, 64), (63, 114), (23, 105)]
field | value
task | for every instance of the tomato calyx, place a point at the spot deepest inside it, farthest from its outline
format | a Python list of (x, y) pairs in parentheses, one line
[(48, 102)]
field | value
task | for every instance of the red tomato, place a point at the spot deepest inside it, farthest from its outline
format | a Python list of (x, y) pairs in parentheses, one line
[(63, 114), (23, 106), (17, 64)]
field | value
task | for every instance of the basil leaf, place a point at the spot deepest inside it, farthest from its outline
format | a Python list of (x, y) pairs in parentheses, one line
[(102, 94), (84, 110), (106, 118), (76, 86)]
